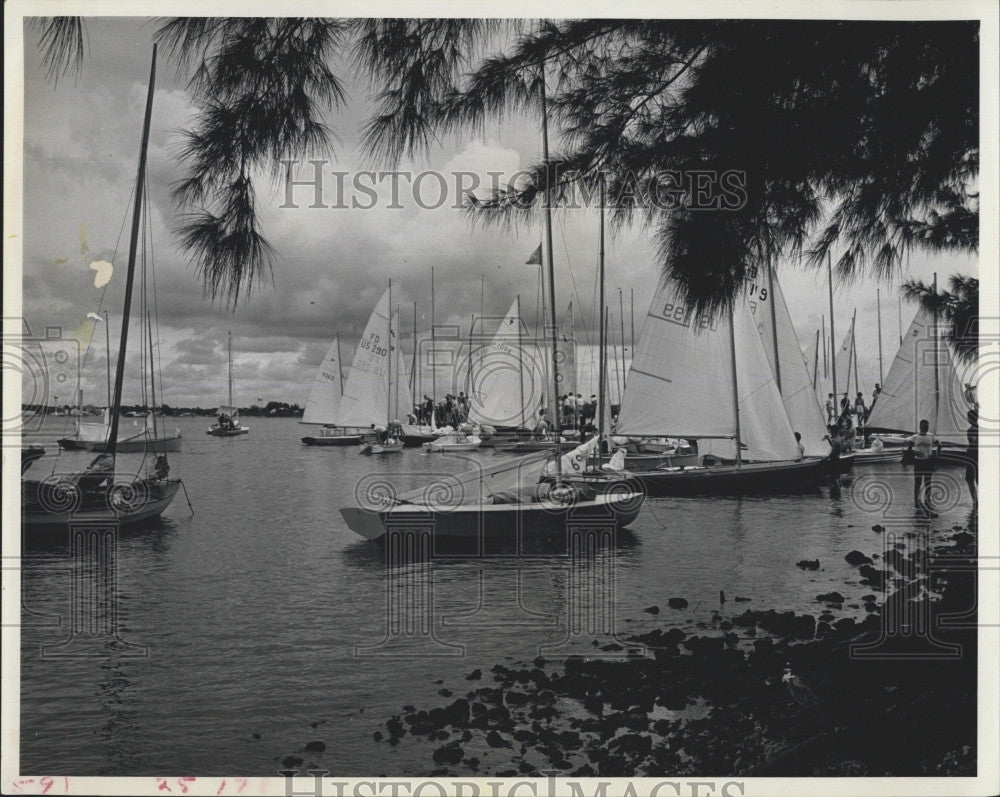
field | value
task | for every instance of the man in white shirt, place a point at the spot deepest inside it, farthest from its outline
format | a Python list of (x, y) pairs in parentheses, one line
[(925, 447)]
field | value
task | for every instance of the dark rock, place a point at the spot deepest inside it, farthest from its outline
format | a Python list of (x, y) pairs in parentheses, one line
[(823, 628), (830, 597), (878, 529), (652, 609), (738, 599), (844, 624), (594, 704), (677, 603), (315, 747), (494, 739), (475, 675), (725, 625), (377, 736), (871, 606), (291, 762), (857, 558), (526, 737), (478, 709), (255, 736), (445, 692), (449, 754), (395, 727), (808, 564), (867, 598), (516, 698)]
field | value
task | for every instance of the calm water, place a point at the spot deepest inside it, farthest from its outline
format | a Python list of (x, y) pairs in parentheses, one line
[(253, 609)]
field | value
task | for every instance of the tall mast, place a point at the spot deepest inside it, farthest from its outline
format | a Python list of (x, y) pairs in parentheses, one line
[(229, 336), (432, 362), (631, 320), (826, 367), (816, 362), (107, 345), (878, 308), (774, 321), (140, 186), (414, 389), (736, 387), (601, 342), (388, 363), (854, 351), (937, 386), (152, 372), (520, 359), (340, 374), (833, 336), (554, 404), (621, 322)]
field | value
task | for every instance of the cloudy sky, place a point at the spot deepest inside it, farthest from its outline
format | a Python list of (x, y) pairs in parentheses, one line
[(80, 148)]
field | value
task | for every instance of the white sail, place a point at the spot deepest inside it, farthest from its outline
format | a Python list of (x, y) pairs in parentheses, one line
[(324, 396), (506, 389), (804, 411), (402, 396), (911, 393), (680, 383), (366, 394)]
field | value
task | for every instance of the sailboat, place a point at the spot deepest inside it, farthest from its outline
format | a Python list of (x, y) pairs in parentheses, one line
[(366, 401), (710, 380), (323, 403), (101, 492), (509, 499), (922, 384), (228, 424)]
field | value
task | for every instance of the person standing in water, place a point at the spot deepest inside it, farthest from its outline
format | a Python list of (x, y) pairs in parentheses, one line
[(925, 447)]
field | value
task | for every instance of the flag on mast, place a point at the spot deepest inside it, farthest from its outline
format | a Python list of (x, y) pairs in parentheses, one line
[(536, 257)]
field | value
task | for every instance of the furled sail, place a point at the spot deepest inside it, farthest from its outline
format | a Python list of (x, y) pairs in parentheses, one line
[(366, 394), (324, 396), (911, 393)]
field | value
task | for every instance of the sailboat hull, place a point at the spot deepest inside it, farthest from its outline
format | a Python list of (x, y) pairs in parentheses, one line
[(215, 431), (496, 522), (158, 445), (752, 478), (339, 440), (95, 506)]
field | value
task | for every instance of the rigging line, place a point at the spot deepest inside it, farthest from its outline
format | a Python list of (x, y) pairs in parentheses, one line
[(156, 308), (572, 276)]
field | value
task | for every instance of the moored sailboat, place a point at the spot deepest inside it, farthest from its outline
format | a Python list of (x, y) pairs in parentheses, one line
[(323, 403), (100, 492), (710, 380), (228, 423)]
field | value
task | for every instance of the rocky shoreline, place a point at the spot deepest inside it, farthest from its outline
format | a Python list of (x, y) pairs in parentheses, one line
[(758, 693)]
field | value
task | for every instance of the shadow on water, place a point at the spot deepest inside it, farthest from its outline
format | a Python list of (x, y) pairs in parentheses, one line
[(366, 554)]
